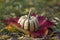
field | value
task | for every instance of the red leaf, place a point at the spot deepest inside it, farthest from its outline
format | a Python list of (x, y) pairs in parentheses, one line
[(39, 33), (42, 21), (34, 14), (48, 24), (8, 21)]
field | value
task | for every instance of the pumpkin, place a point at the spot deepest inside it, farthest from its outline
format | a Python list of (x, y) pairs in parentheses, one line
[(28, 22)]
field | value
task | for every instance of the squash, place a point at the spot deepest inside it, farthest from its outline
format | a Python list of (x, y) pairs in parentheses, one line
[(28, 22)]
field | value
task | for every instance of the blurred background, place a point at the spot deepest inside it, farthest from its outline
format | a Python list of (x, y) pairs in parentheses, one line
[(17, 8)]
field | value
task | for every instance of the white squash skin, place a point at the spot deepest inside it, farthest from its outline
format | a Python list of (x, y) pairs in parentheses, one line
[(26, 25), (35, 21), (36, 24), (31, 25), (32, 21), (21, 22), (22, 18)]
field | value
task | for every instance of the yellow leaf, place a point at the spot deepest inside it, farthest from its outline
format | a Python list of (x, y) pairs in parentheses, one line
[(4, 37), (26, 10), (11, 28)]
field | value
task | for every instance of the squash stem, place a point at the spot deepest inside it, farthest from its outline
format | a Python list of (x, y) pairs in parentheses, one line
[(29, 14)]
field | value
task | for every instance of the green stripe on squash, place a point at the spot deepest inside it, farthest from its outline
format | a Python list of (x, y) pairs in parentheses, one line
[(28, 25), (23, 23), (34, 26)]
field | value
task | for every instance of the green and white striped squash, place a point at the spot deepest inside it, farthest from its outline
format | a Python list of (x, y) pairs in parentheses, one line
[(28, 22)]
